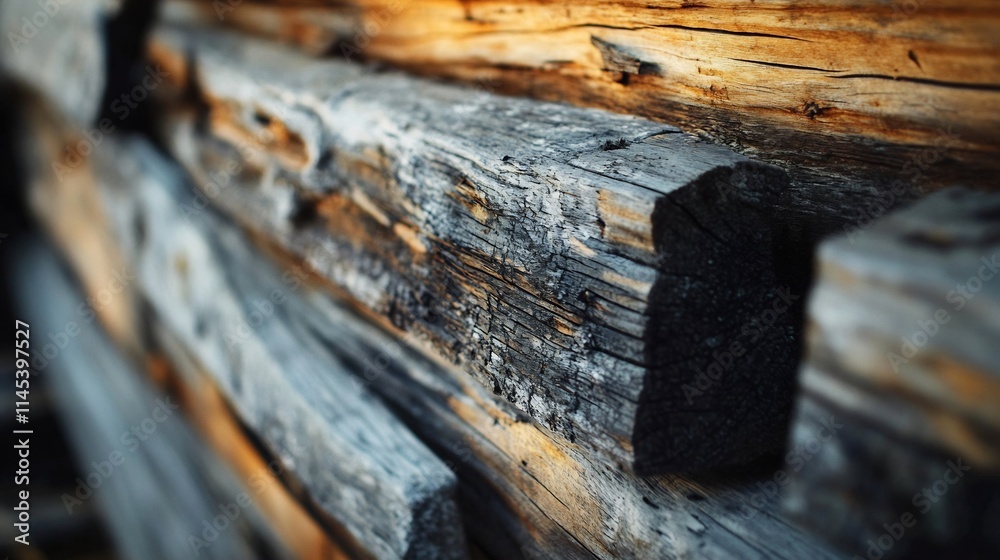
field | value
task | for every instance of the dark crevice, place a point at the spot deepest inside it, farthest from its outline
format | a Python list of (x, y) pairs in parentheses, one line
[(924, 81), (788, 66), (728, 32), (126, 35)]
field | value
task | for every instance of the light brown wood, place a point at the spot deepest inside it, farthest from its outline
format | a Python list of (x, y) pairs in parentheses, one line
[(848, 95)]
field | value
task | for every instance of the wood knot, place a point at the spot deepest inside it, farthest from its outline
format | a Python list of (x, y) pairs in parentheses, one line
[(812, 109)]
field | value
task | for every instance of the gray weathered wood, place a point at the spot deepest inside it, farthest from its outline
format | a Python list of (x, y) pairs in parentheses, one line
[(59, 49), (363, 467), (524, 491), (583, 265), (903, 350), (156, 489)]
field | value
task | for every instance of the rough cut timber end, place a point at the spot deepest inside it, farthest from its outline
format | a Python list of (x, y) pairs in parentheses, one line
[(723, 338), (902, 354), (586, 266)]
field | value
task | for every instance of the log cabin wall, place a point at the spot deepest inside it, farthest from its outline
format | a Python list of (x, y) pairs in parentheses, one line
[(865, 103), (438, 279)]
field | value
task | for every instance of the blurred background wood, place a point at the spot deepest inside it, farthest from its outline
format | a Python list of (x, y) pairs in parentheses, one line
[(154, 496), (902, 350)]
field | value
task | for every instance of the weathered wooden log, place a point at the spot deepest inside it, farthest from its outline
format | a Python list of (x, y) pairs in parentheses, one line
[(155, 482), (524, 491), (861, 101), (59, 48), (68, 202), (355, 459), (70, 208), (902, 350), (619, 281), (289, 510)]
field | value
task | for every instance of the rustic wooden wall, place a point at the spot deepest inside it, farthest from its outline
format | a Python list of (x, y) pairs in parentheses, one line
[(864, 102)]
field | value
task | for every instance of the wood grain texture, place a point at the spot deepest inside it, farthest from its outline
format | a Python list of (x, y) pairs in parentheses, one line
[(359, 464), (581, 264), (902, 348), (286, 511), (524, 491), (155, 486), (853, 97)]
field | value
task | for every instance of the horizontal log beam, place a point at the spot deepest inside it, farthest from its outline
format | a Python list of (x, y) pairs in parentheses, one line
[(289, 511), (524, 492), (355, 460), (849, 96), (586, 266), (902, 352)]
